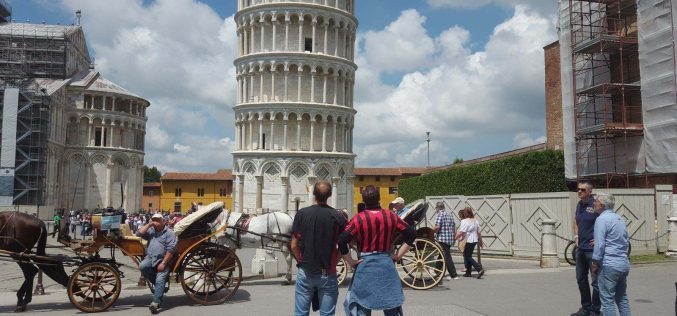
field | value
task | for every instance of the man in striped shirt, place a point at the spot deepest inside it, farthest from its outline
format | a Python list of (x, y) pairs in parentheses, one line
[(375, 284)]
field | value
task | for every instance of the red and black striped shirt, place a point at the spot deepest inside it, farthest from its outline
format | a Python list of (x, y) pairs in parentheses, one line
[(374, 229)]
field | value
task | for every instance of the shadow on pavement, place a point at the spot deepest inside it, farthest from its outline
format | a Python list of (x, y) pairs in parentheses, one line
[(126, 303)]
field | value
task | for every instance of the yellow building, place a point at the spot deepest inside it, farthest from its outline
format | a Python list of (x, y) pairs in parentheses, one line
[(386, 179), (179, 190)]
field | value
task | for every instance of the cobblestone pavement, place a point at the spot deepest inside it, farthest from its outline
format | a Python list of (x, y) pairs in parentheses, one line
[(510, 287)]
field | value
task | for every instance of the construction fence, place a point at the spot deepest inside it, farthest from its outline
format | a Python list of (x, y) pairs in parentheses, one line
[(511, 224)]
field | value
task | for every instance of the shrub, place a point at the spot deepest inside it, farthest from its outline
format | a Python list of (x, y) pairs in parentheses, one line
[(540, 171)]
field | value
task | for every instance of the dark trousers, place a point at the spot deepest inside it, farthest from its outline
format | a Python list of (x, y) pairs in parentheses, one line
[(583, 264), (446, 251), (468, 260)]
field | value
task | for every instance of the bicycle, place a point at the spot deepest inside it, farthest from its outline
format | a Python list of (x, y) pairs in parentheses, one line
[(571, 250)]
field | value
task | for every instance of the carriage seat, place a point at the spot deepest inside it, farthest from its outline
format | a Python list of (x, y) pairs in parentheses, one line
[(126, 234)]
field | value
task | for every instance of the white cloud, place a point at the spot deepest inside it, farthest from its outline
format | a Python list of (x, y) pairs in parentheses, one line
[(480, 96), (403, 45), (156, 137), (182, 148), (543, 6), (179, 55), (525, 140)]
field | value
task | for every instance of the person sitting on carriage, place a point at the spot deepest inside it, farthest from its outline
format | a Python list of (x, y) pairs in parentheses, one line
[(155, 266), (398, 206), (375, 284)]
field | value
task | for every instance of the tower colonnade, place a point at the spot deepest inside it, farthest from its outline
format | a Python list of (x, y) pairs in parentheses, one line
[(300, 29), (294, 111)]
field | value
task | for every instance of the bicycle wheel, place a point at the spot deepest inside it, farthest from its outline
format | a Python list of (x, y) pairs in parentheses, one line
[(570, 253)]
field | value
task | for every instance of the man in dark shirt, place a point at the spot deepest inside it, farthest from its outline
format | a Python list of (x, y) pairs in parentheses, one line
[(315, 233), (584, 226)]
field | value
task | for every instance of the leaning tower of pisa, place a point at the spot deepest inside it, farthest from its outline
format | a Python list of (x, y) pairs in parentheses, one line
[(294, 113)]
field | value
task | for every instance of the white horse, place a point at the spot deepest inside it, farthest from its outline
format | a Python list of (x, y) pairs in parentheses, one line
[(270, 231)]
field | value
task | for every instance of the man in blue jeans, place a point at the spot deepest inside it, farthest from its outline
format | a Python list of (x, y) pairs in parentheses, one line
[(155, 267), (610, 257), (584, 227), (315, 233)]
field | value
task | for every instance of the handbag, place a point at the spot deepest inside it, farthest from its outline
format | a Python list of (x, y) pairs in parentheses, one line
[(462, 242)]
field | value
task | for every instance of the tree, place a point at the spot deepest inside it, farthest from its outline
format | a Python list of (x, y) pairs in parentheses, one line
[(458, 160), (151, 174)]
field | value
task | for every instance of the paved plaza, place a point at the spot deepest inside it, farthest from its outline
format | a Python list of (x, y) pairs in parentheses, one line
[(510, 287)]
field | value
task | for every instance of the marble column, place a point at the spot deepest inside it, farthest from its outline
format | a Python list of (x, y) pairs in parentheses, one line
[(284, 145), (298, 133), (311, 185), (106, 202), (88, 176), (334, 144), (312, 134), (260, 145), (240, 193), (285, 193), (324, 135), (301, 32), (272, 132), (259, 192), (334, 192)]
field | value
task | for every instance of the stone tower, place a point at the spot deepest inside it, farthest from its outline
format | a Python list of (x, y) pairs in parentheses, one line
[(294, 114)]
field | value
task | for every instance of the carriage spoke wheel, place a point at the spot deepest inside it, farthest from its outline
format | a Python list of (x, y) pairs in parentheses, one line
[(94, 287), (211, 274), (341, 271), (423, 266)]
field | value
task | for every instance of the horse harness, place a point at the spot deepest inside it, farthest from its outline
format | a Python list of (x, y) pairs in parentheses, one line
[(11, 233), (241, 227)]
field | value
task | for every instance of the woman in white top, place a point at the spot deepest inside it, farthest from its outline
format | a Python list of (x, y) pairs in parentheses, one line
[(470, 229)]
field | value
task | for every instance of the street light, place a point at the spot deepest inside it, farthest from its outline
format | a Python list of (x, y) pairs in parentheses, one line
[(428, 141)]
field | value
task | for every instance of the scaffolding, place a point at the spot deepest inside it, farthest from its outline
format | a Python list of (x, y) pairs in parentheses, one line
[(32, 51), (30, 146), (606, 88)]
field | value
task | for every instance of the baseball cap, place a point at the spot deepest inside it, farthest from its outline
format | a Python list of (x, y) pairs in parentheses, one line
[(157, 215), (398, 200)]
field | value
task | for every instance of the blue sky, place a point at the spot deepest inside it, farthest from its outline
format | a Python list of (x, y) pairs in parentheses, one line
[(471, 72)]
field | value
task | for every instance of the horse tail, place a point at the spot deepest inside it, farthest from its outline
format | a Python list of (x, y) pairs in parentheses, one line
[(54, 271), (42, 240)]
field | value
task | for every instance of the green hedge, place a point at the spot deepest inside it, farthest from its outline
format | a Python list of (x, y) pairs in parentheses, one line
[(541, 171)]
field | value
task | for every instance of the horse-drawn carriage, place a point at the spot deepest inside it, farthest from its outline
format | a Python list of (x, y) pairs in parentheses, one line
[(418, 268), (209, 273)]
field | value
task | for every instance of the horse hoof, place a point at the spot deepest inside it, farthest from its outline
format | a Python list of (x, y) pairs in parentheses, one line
[(20, 309)]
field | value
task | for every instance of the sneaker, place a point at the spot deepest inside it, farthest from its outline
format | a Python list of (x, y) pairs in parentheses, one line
[(480, 274), (580, 312), (455, 277), (467, 275), (154, 308), (448, 278)]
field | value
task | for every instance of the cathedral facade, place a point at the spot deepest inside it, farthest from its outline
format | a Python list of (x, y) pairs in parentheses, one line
[(72, 139)]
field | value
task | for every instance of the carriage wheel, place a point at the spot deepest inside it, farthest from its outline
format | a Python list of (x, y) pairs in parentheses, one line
[(341, 271), (94, 287), (418, 267), (211, 274)]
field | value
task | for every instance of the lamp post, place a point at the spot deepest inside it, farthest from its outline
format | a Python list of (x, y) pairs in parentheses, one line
[(428, 141)]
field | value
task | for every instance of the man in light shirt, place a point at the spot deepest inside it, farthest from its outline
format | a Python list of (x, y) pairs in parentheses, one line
[(610, 257)]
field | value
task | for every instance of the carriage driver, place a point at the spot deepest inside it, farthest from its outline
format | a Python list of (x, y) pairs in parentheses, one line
[(155, 267)]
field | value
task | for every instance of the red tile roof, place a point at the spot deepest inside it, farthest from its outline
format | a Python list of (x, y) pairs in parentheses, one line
[(151, 185), (397, 171), (223, 175)]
